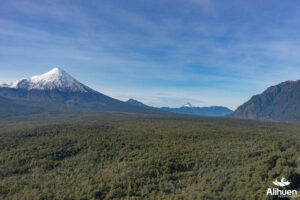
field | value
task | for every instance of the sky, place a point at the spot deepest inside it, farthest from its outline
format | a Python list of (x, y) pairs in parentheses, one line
[(163, 53)]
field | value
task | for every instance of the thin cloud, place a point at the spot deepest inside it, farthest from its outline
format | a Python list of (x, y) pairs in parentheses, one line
[(199, 46)]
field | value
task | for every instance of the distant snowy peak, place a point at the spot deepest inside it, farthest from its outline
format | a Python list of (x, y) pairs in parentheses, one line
[(56, 79), (187, 105)]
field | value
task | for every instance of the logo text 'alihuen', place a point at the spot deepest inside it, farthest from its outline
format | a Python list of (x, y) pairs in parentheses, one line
[(282, 192)]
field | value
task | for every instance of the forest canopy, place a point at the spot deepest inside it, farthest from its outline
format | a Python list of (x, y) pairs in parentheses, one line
[(126, 156)]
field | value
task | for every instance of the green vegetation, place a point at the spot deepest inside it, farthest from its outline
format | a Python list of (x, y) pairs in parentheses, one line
[(123, 156)]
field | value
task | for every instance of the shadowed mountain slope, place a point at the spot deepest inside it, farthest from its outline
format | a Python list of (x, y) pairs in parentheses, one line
[(280, 102)]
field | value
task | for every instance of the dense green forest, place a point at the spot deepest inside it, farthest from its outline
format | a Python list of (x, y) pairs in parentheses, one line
[(126, 156)]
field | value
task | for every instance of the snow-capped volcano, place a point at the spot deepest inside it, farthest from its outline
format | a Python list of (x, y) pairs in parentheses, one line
[(56, 79), (58, 92)]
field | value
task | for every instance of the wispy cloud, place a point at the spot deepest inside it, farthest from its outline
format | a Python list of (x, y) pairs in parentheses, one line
[(193, 50)]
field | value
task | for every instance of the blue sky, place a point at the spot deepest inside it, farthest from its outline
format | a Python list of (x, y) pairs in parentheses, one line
[(163, 53)]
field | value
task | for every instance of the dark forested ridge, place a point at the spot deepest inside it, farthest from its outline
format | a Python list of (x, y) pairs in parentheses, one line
[(127, 156), (279, 102)]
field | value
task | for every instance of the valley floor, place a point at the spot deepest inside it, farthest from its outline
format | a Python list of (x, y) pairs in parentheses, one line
[(126, 156)]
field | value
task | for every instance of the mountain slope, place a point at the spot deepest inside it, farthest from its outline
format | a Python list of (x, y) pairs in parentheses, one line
[(201, 111), (57, 91), (9, 107), (279, 102), (136, 103)]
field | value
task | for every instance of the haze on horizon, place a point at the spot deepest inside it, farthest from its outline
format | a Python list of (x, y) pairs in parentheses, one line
[(164, 53)]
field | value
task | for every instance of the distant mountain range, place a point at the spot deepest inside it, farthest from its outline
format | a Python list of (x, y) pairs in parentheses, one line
[(201, 111), (190, 110), (280, 102), (56, 91)]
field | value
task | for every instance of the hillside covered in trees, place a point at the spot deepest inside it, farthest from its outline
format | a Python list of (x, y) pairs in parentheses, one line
[(126, 156)]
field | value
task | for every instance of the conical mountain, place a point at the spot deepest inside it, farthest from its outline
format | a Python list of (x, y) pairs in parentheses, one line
[(56, 79), (57, 91)]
